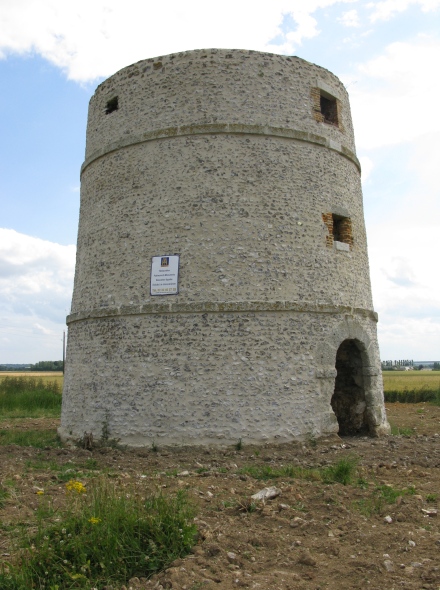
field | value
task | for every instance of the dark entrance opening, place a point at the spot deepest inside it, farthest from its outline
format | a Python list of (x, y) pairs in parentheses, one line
[(348, 400)]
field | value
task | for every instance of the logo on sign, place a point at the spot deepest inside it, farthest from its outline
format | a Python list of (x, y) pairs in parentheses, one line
[(165, 261)]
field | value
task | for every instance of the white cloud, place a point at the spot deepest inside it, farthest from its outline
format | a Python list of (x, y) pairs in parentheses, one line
[(388, 8), (400, 337), (350, 18), (93, 39), (38, 328), (36, 276), (392, 99), (22, 342), (36, 279), (391, 105), (406, 288)]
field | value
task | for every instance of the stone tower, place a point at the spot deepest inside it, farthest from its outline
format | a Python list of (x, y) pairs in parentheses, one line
[(222, 287)]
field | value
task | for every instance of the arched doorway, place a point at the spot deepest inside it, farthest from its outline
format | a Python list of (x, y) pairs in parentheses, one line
[(348, 400)]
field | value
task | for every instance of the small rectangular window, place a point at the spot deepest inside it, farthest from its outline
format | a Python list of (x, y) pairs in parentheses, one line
[(329, 109), (112, 105), (339, 229), (339, 224), (326, 108)]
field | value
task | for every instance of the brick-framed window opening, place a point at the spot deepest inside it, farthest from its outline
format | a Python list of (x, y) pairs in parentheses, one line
[(339, 229), (326, 108), (329, 110)]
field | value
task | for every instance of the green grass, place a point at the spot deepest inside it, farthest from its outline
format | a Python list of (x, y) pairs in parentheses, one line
[(4, 494), (30, 438), (65, 471), (403, 431), (104, 537), (342, 472), (413, 396), (381, 497), (29, 397)]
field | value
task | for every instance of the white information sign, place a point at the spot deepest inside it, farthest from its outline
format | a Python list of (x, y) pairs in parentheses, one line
[(164, 275)]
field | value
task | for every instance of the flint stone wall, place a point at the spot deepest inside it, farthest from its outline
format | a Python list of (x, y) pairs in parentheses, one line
[(217, 155)]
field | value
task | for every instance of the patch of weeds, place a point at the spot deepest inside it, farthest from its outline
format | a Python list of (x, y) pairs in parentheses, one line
[(68, 474), (46, 507), (102, 537), (239, 445), (105, 440), (154, 447), (225, 504), (369, 506), (30, 438), (4, 495), (222, 470), (41, 464), (311, 440), (342, 472), (362, 483), (246, 505), (9, 528), (381, 496), (397, 431), (172, 473), (65, 471), (431, 497), (91, 464), (391, 494), (257, 453), (202, 470)]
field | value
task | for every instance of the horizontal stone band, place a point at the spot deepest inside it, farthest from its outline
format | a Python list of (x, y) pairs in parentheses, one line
[(224, 128), (217, 307)]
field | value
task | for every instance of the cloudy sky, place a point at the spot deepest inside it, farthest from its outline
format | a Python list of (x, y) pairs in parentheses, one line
[(53, 53)]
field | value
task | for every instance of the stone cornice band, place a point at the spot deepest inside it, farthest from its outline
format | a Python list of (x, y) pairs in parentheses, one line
[(217, 307), (226, 128)]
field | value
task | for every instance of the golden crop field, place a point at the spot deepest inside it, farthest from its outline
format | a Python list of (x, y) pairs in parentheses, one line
[(44, 375), (401, 380)]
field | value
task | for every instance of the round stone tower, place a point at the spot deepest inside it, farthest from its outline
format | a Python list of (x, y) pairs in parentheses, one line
[(222, 287)]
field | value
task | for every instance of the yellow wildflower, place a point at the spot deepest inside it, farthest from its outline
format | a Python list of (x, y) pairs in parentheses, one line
[(75, 486), (40, 492), (94, 520)]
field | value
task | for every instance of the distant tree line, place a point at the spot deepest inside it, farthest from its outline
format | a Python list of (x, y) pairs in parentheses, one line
[(14, 367), (47, 366), (436, 367)]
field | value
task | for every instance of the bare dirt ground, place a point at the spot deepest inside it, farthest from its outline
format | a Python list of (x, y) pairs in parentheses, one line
[(312, 536)]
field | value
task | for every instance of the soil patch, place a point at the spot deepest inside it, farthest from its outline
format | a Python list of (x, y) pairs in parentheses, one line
[(379, 531)]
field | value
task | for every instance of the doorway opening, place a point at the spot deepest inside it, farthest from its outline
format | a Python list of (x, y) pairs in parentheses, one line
[(348, 400)]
